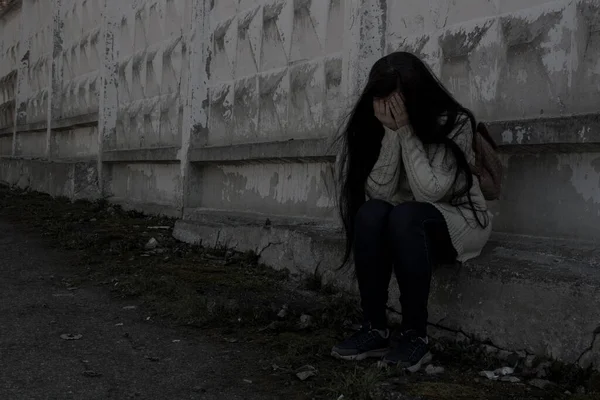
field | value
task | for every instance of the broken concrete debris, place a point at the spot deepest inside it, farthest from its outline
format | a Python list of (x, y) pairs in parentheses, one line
[(152, 244)]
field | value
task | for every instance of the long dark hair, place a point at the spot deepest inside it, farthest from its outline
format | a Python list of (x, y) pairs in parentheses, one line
[(434, 114)]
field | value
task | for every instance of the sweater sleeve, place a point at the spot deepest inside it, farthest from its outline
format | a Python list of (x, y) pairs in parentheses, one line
[(382, 182), (429, 171)]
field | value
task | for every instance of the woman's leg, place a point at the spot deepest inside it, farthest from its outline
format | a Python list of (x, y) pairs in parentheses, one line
[(419, 239), (373, 263)]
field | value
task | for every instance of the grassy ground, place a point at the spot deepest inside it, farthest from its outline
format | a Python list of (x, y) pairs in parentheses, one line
[(231, 298)]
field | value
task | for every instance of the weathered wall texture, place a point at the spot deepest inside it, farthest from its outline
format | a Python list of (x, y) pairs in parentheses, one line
[(274, 74), (231, 104)]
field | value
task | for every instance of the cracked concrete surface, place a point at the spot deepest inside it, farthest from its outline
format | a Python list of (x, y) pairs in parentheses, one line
[(591, 356)]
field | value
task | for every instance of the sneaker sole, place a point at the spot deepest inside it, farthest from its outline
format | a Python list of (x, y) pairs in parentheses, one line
[(362, 356), (426, 359)]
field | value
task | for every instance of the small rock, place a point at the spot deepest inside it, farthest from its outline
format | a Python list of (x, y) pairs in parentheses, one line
[(248, 381), (152, 244), (306, 321), (305, 375), (521, 354), (568, 393), (581, 390), (433, 370), (283, 312), (68, 336), (511, 379), (306, 372), (489, 374), (129, 307), (540, 383), (503, 355), (152, 358), (500, 372), (504, 371)]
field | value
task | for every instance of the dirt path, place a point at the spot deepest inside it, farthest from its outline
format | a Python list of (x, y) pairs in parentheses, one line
[(163, 320), (120, 355)]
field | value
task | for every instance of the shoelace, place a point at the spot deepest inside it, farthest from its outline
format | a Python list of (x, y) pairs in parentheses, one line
[(409, 344)]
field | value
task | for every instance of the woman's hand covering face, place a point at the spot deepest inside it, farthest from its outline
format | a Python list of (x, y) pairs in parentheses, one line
[(391, 112)]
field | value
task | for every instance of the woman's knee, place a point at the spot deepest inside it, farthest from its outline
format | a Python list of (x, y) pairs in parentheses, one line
[(373, 214), (408, 218)]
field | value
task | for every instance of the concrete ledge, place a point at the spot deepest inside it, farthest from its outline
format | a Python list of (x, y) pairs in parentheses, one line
[(61, 124), (290, 150), (32, 127), (72, 179), (158, 154), (8, 131), (535, 295), (576, 133), (75, 122)]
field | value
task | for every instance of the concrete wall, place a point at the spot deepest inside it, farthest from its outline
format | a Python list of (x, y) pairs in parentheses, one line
[(186, 106)]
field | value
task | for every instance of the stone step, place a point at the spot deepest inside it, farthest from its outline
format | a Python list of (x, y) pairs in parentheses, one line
[(537, 295)]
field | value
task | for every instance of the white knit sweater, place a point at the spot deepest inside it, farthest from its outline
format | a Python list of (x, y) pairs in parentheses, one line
[(407, 170)]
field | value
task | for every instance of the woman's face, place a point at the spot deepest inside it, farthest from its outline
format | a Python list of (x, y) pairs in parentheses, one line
[(386, 99)]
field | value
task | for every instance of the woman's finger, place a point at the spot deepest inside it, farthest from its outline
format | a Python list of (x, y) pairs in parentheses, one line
[(399, 109), (396, 112), (377, 107)]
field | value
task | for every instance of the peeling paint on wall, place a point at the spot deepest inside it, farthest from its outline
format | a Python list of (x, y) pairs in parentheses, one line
[(282, 189), (586, 176)]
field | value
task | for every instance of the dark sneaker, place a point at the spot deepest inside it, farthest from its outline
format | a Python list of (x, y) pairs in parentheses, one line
[(410, 353), (365, 343)]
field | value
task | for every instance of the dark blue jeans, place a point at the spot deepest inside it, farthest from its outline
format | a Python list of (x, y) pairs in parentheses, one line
[(408, 239)]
